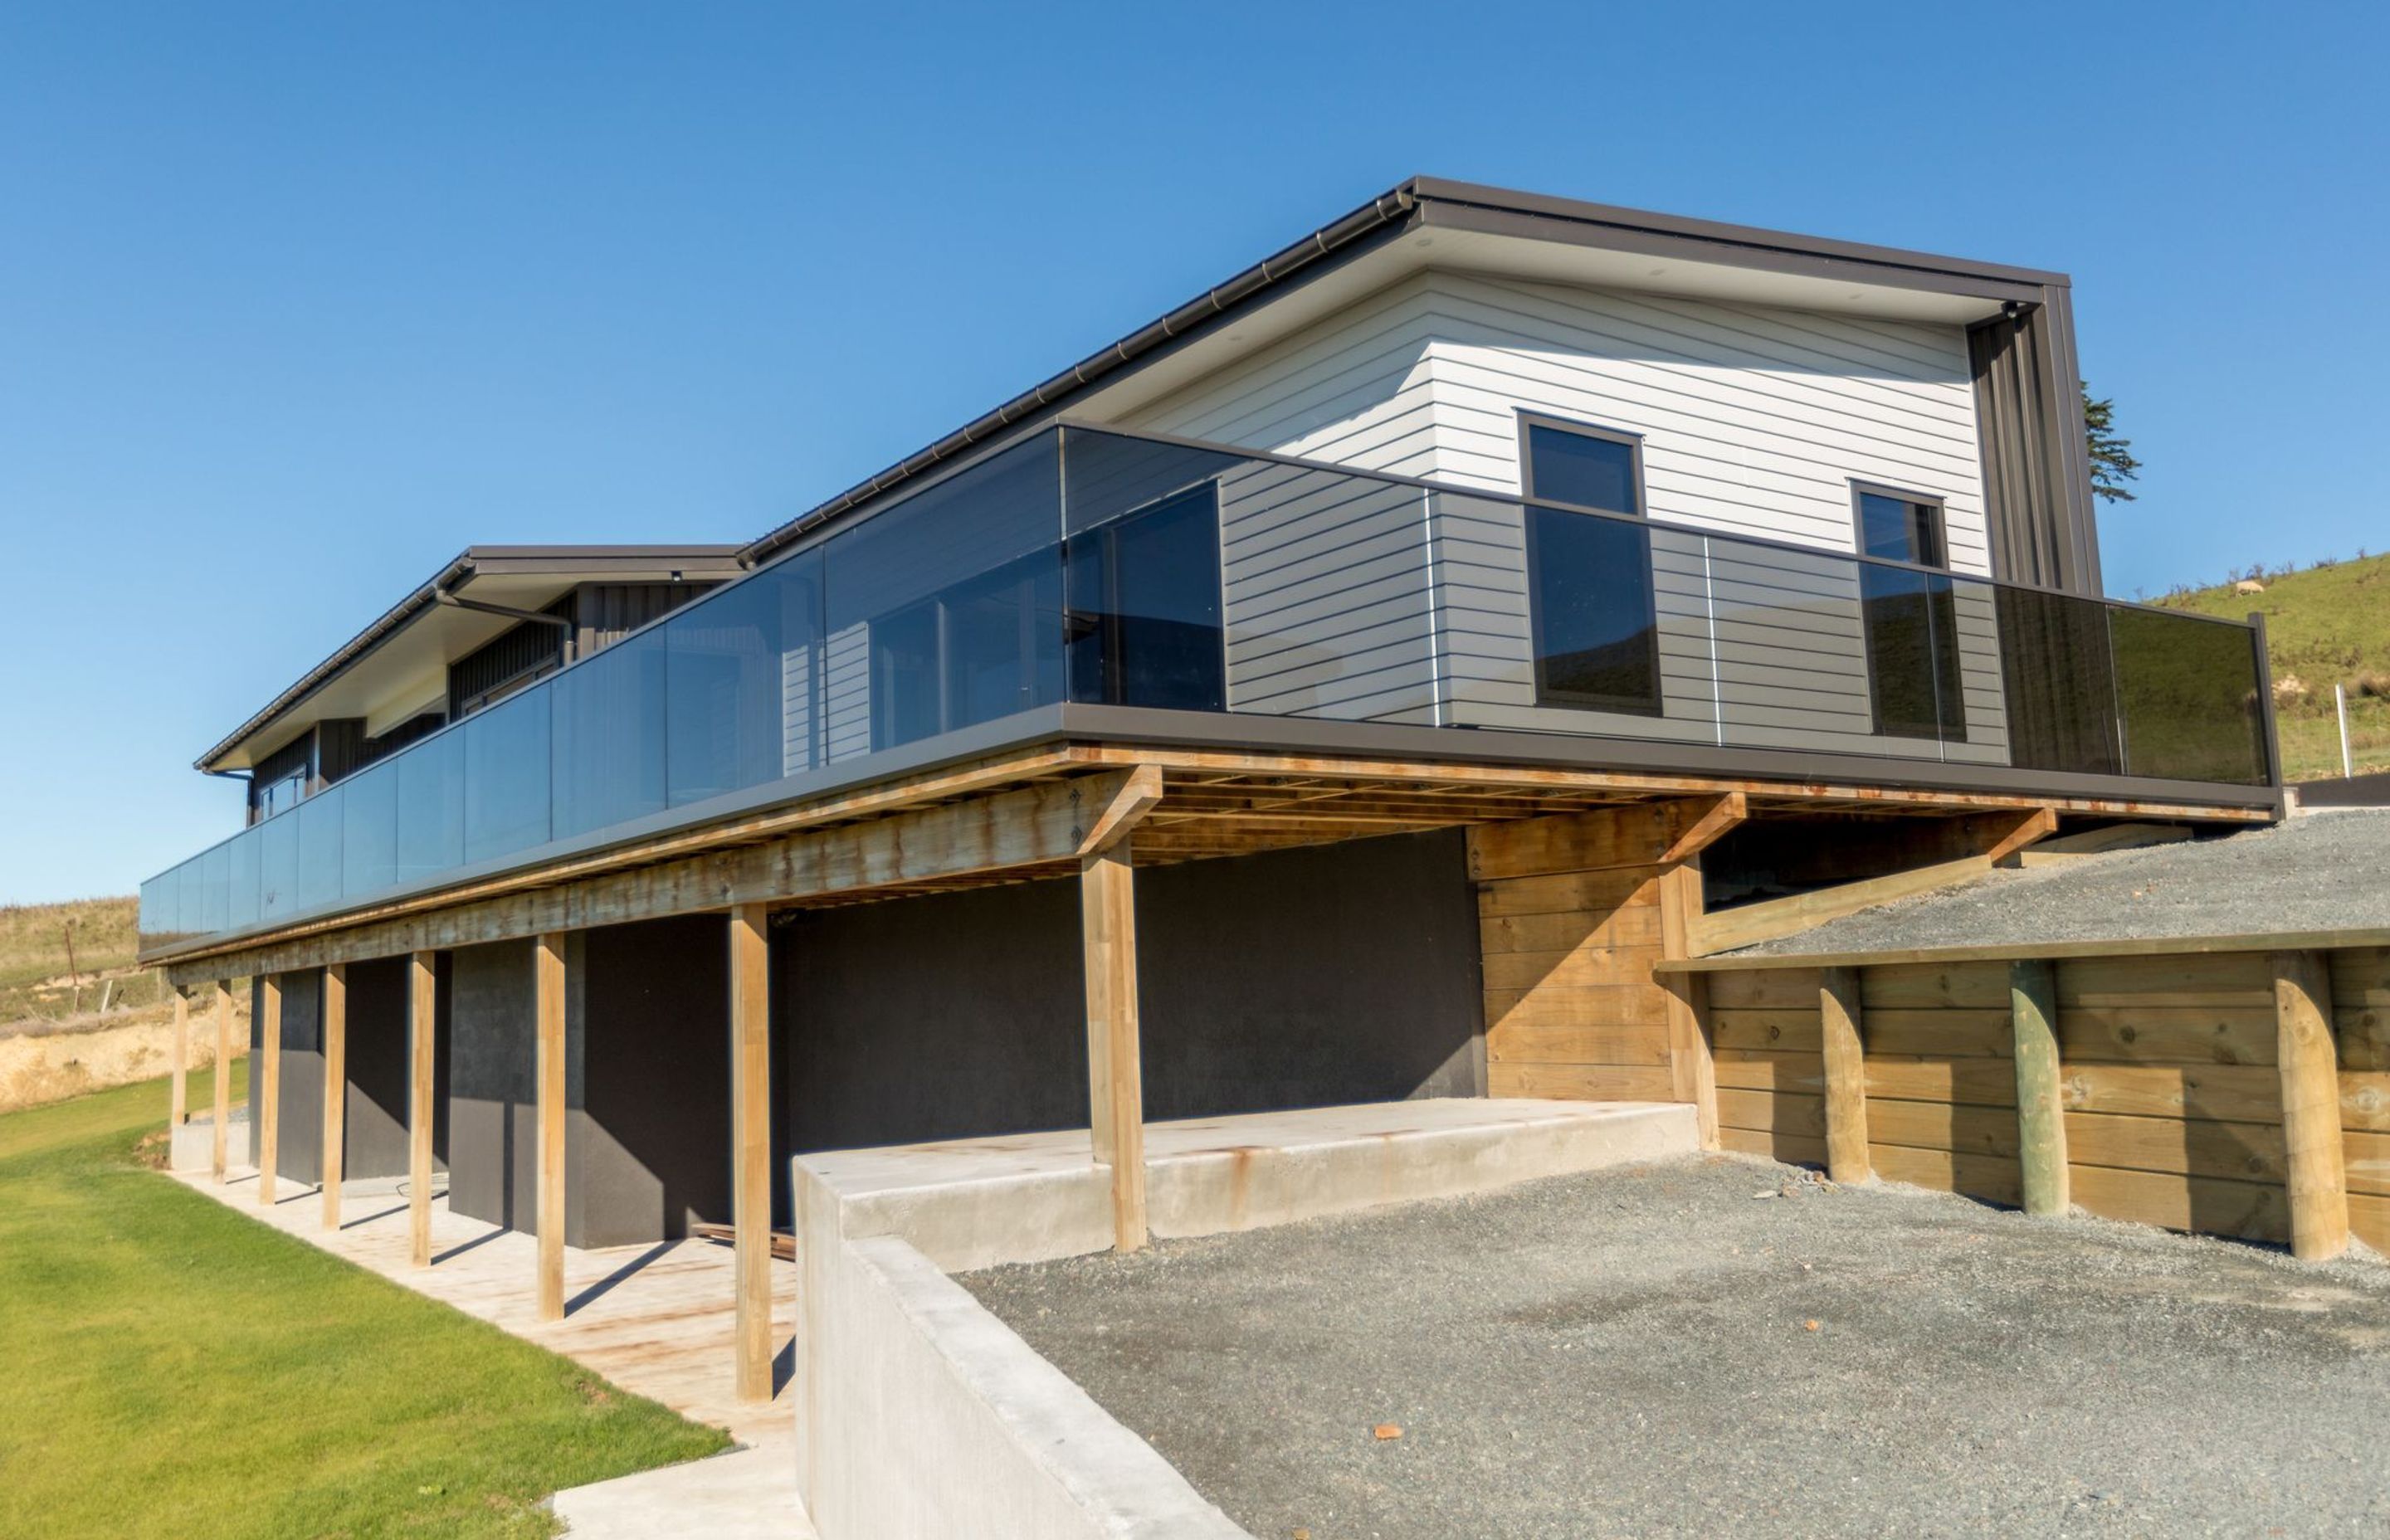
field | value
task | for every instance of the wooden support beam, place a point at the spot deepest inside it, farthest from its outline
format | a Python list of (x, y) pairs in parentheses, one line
[(1692, 1070), (2312, 1137), (336, 1087), (1707, 826), (265, 1104), (1772, 919), (750, 1143), (422, 1107), (178, 1111), (547, 1017), (1846, 1110), (2041, 1113), (1126, 802), (2098, 842), (2024, 829), (223, 1077), (1115, 1080)]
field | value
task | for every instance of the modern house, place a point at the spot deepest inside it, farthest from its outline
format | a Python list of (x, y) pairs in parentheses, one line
[(1344, 689)]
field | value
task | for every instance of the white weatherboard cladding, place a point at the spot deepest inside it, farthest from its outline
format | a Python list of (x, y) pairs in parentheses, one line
[(1753, 421)]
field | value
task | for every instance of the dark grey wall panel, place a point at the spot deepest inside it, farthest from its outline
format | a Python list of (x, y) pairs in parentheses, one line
[(298, 1142), (493, 1120), (378, 1072), (1303, 978)]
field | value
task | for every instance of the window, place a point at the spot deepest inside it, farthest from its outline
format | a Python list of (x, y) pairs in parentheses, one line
[(1910, 617), (1145, 607), (1588, 576)]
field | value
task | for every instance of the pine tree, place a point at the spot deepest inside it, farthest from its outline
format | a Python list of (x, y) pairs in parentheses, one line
[(2112, 454)]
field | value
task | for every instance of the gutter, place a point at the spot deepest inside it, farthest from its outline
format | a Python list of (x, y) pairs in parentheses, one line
[(1321, 244)]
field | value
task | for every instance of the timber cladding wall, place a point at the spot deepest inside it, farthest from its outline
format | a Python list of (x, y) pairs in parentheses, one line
[(2169, 1079), (1570, 921)]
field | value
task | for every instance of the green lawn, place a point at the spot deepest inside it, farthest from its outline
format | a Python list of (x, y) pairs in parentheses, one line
[(174, 1367)]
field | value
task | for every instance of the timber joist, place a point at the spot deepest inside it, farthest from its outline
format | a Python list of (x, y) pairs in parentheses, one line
[(1010, 818)]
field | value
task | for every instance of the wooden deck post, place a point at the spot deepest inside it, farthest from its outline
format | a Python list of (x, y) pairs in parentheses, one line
[(336, 1087), (1845, 1056), (1115, 1079), (1692, 1070), (265, 1101), (750, 1141), (422, 1003), (2311, 1130), (2042, 1114), (223, 1077), (178, 1112), (547, 1013)]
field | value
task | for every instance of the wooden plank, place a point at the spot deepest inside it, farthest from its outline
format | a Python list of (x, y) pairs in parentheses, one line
[(2040, 1114), (2366, 1160), (1968, 1034), (1777, 1030), (2310, 1078), (2167, 1035), (1690, 1058), (2245, 1210), (2365, 1101), (1970, 1082), (2360, 977), (1760, 1069), (2023, 828), (1776, 1112), (1783, 987), (1635, 835), (2369, 1220), (1593, 894), (1937, 987), (1581, 1082), (1115, 1078), (1584, 968), (2235, 1151), (751, 1145), (1943, 1125), (1037, 826), (1634, 926), (1519, 1041), (1775, 918), (1707, 826), (336, 1088), (1838, 1014), (1124, 806), (178, 1112), (222, 1101), (266, 1107), (1800, 1150), (2096, 842), (548, 1015), (2223, 980), (2238, 943), (2364, 1033), (1618, 1005), (422, 1039), (2220, 1092), (1993, 1178)]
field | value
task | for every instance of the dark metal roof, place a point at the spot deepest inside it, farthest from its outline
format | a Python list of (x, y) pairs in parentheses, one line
[(589, 562), (1428, 200)]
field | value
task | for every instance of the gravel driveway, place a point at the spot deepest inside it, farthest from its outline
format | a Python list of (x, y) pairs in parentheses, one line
[(1720, 1345)]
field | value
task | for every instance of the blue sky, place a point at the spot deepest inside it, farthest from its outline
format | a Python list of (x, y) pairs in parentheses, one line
[(298, 300)]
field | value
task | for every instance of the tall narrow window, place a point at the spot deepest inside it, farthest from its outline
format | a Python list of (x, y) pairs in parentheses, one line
[(1911, 617), (1589, 576)]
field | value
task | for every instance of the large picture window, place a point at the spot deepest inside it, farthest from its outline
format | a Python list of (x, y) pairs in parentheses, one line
[(1589, 576), (1910, 617)]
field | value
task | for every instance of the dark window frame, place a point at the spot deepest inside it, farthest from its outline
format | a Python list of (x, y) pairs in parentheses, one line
[(1548, 694), (1950, 726)]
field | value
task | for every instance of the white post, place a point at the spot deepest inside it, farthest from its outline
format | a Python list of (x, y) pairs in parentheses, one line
[(2340, 701)]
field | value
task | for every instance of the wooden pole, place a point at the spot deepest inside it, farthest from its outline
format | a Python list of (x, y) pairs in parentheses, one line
[(750, 1140), (223, 1078), (267, 1104), (2311, 1130), (547, 990), (1115, 1079), (1847, 1112), (2041, 1113), (336, 1087), (178, 1112), (1692, 1070), (422, 1035)]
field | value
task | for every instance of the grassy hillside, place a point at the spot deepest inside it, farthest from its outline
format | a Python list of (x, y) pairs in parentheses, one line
[(34, 942), (2328, 624)]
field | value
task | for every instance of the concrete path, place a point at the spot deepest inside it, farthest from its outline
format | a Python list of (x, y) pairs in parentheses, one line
[(655, 1320)]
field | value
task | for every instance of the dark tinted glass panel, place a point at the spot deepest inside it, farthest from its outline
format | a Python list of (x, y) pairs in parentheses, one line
[(2188, 694), (1900, 530), (2057, 682), (1597, 644), (743, 683), (905, 704), (1581, 468), (1106, 476), (1002, 642), (1145, 608), (608, 750), (1912, 653)]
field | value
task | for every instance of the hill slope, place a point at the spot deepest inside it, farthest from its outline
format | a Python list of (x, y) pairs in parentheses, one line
[(2329, 624)]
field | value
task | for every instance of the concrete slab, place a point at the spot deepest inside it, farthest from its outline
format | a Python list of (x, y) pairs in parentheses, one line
[(192, 1145)]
